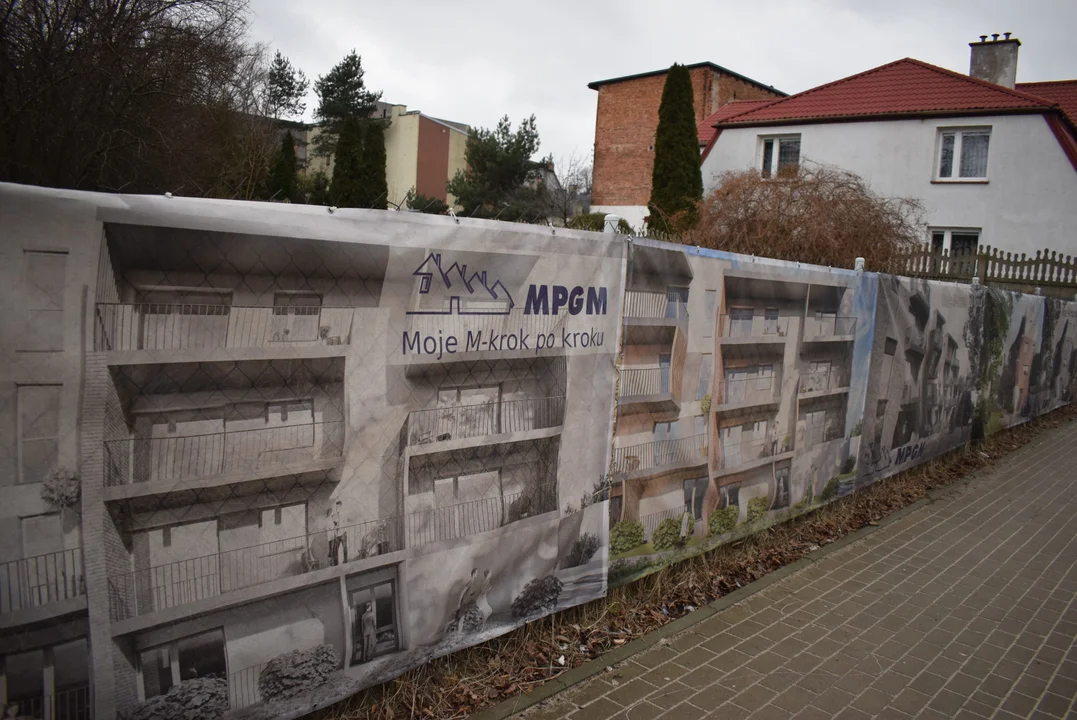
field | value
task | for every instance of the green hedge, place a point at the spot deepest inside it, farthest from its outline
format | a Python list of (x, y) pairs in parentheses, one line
[(626, 535), (723, 520), (757, 508), (667, 536)]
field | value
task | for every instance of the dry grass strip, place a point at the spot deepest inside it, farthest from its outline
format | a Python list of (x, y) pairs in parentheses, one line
[(466, 681)]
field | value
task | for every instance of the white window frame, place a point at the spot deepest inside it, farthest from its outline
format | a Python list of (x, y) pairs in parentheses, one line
[(955, 170), (20, 478), (947, 241), (772, 171)]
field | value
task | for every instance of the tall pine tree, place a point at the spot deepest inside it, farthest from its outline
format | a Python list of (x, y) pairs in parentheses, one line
[(375, 187), (283, 181), (342, 94), (347, 188), (677, 179)]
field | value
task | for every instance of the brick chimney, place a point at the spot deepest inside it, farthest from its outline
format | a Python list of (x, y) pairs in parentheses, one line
[(995, 60)]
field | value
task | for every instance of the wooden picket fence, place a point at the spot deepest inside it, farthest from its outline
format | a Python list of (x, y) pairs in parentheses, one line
[(1054, 273)]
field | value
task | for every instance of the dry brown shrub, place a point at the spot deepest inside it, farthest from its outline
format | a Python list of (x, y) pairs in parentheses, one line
[(812, 214)]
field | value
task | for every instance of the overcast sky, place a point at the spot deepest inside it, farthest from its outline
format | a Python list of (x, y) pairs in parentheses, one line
[(473, 62)]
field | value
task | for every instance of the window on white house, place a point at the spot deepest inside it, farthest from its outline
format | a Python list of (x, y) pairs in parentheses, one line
[(963, 154), (958, 241), (780, 153)]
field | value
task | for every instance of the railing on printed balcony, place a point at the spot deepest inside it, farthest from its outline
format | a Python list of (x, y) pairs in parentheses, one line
[(483, 419), (138, 460), (483, 327), (243, 687), (815, 435), (651, 521), (733, 455), (182, 326), (657, 305), (40, 580), (759, 326), (823, 380), (660, 453), (478, 516), (644, 381), (71, 704), (747, 390), (824, 327), (186, 581)]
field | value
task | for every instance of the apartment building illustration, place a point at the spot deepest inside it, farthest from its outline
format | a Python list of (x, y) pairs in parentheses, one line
[(781, 388), (921, 393), (258, 459), (659, 467)]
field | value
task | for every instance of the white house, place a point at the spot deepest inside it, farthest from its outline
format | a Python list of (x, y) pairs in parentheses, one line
[(994, 161)]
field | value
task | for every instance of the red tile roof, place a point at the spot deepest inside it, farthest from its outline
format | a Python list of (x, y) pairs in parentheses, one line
[(903, 88), (1061, 92), (705, 128)]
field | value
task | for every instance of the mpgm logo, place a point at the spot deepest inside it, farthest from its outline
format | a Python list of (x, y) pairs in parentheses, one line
[(484, 297), (457, 290), (487, 295)]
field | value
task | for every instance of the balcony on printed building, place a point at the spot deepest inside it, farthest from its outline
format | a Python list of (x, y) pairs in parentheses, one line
[(644, 460), (42, 587), (822, 382), (209, 579), (451, 495), (654, 317), (194, 427), (748, 393), (489, 422), (173, 295), (740, 454), (70, 703)]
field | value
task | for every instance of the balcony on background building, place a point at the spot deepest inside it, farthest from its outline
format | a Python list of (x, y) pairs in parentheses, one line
[(481, 420), (160, 326), (824, 381), (829, 328), (754, 328), (749, 391), (283, 449), (41, 580), (747, 452), (182, 582), (461, 520), (654, 308), (660, 455)]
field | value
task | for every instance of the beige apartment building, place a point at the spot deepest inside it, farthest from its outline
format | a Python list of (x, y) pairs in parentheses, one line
[(422, 153)]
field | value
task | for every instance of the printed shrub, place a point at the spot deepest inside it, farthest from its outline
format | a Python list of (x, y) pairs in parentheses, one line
[(582, 550), (667, 536), (626, 535), (190, 700), (831, 490), (757, 508), (297, 672), (723, 520), (538, 595)]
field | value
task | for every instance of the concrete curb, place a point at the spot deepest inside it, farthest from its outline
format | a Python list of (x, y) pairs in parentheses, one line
[(591, 668)]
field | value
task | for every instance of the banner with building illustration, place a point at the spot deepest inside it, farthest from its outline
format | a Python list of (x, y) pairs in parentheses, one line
[(257, 457), (753, 390), (234, 431)]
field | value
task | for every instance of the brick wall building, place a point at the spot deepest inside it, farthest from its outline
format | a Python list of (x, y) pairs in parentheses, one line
[(626, 122)]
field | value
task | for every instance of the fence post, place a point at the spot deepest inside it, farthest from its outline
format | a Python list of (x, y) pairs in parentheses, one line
[(859, 264), (610, 223)]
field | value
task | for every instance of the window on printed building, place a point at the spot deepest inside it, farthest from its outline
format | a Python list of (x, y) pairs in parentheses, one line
[(706, 369), (962, 154), (197, 656), (780, 153), (38, 429), (694, 492), (710, 302), (43, 286)]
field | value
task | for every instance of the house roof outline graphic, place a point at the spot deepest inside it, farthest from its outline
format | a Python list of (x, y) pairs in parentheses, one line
[(456, 276)]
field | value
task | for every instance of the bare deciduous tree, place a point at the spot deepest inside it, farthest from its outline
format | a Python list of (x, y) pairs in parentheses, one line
[(141, 95), (811, 213), (569, 189)]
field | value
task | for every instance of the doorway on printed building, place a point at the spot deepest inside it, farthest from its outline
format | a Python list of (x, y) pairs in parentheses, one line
[(373, 603)]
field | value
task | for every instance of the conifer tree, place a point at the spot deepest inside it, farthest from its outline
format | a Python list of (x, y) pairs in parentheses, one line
[(347, 186), (375, 188), (283, 180), (676, 179)]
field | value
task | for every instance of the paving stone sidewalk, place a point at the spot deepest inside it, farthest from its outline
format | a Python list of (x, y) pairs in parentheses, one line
[(964, 608)]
